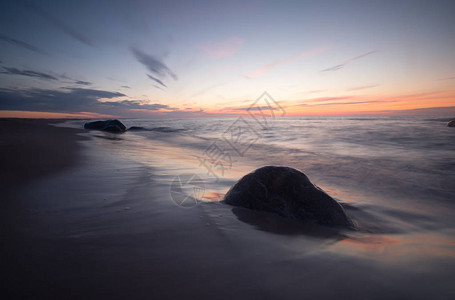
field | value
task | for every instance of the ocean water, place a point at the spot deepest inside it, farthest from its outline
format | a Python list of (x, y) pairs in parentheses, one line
[(395, 177), (363, 160), (393, 172)]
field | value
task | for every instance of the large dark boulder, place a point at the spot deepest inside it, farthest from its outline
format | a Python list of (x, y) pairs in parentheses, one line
[(289, 193), (451, 123), (109, 125)]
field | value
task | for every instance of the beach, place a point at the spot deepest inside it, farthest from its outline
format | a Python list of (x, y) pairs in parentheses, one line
[(89, 214)]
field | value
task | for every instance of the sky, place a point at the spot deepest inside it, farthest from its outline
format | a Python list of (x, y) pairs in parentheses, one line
[(147, 59)]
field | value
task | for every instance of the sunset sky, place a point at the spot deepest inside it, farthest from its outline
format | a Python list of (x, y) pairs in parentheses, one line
[(215, 58)]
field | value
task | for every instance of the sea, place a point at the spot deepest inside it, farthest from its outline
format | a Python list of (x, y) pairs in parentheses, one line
[(399, 171), (395, 160), (394, 176)]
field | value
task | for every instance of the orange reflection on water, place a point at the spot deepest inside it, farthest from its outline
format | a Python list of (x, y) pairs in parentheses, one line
[(213, 196), (405, 246), (370, 243)]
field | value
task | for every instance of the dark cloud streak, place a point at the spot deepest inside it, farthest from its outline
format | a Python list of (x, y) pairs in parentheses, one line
[(60, 24), (75, 81), (81, 82), (335, 68), (260, 108), (156, 80), (344, 103), (21, 44), (363, 87), (71, 100), (137, 104), (29, 73), (154, 65), (345, 62), (158, 87), (68, 100)]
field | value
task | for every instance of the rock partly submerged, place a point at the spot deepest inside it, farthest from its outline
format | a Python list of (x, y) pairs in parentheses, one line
[(159, 129), (137, 128), (289, 193), (451, 123), (114, 126)]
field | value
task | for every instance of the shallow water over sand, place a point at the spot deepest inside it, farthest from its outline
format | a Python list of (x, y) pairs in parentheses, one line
[(394, 176)]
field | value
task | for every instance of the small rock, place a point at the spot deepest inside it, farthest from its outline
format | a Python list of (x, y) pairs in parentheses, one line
[(114, 126)]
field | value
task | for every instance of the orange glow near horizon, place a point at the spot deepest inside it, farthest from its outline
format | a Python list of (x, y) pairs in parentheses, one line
[(433, 102), (360, 105)]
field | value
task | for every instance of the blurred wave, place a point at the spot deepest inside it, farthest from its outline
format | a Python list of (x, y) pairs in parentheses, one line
[(377, 165)]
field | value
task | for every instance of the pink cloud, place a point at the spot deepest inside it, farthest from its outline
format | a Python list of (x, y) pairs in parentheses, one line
[(224, 48), (264, 69)]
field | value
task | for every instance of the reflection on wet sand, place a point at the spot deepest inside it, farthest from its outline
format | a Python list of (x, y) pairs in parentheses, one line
[(212, 196), (399, 247), (273, 223)]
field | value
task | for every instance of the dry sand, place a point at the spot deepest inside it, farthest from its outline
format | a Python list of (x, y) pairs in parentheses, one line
[(30, 148)]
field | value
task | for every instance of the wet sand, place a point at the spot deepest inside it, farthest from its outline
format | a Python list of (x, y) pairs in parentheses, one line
[(97, 225)]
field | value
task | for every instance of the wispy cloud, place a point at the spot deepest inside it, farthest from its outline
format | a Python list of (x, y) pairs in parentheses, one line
[(340, 100), (28, 73), (76, 34), (74, 81), (334, 68), (20, 43), (264, 69), (81, 82), (355, 100), (138, 104), (359, 56), (364, 87), (154, 65), (125, 87), (349, 103), (158, 87), (249, 108), (423, 95), (426, 111), (44, 76), (156, 80), (224, 48), (346, 61)]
